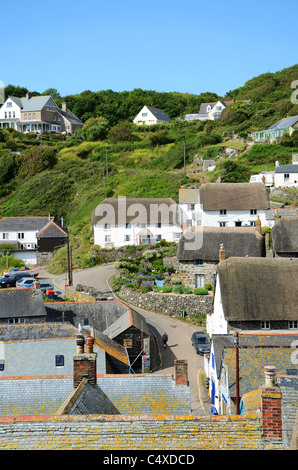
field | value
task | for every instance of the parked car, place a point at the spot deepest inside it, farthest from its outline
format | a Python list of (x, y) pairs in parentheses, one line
[(44, 285), (11, 280), (201, 342), (25, 282)]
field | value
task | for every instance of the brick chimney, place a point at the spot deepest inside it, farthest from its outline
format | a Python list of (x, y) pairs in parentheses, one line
[(222, 254), (28, 95), (181, 372), (84, 363), (271, 406)]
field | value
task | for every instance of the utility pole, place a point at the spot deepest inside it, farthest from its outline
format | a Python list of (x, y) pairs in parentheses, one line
[(69, 263), (237, 373), (184, 157), (107, 172)]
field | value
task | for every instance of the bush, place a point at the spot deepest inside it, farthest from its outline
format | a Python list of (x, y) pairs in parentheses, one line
[(200, 291), (157, 288), (181, 290), (167, 289), (208, 287)]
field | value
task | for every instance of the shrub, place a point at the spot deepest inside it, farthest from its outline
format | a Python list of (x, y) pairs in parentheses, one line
[(181, 290), (157, 288), (208, 287), (200, 291), (167, 289)]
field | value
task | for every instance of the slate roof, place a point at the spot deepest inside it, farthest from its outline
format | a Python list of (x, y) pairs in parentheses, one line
[(69, 116), (35, 103), (292, 168), (237, 241), (21, 303), (130, 394), (280, 212), (251, 366), (203, 107), (52, 230), (285, 123), (159, 113), (289, 388), (143, 210), (285, 235), (255, 289), (234, 196), (35, 331), (10, 224)]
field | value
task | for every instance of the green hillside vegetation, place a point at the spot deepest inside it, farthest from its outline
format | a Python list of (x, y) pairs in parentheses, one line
[(69, 177)]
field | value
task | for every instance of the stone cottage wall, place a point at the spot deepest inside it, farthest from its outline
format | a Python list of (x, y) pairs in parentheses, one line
[(168, 304)]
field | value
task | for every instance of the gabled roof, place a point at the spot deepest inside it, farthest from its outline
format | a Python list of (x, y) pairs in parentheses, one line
[(256, 289), (52, 230), (21, 303), (35, 103), (203, 107), (285, 235), (237, 241), (234, 196), (69, 116), (158, 113)]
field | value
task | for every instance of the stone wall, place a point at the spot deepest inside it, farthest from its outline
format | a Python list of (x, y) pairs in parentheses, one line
[(122, 432), (168, 304)]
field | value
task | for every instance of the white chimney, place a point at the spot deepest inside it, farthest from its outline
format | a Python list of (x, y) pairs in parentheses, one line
[(276, 163), (64, 106)]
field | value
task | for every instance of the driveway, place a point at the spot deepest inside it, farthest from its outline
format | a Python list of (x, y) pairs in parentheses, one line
[(178, 331)]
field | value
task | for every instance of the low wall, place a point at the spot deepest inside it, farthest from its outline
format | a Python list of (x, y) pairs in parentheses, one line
[(168, 304)]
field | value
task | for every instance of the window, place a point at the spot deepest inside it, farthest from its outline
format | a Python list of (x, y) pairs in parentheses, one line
[(158, 225), (222, 224), (252, 224), (34, 116), (293, 325), (9, 104), (144, 114), (265, 325), (5, 115), (127, 225), (253, 211), (29, 116), (199, 262), (142, 225), (25, 117), (158, 238), (216, 116), (175, 235), (16, 320), (59, 360), (13, 114), (107, 226), (5, 236), (127, 342), (223, 212), (2, 365), (199, 280), (20, 235), (107, 238), (127, 238), (238, 223), (286, 177)]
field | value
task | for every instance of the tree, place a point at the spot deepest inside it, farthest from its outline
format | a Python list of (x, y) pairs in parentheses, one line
[(121, 133), (95, 129), (53, 92)]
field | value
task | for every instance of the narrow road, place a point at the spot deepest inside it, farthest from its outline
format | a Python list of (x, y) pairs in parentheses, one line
[(178, 331)]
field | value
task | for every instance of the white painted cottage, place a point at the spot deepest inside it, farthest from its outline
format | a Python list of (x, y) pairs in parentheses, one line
[(150, 115), (135, 221)]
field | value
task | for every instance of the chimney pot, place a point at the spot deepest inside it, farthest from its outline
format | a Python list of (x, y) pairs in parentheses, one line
[(80, 344), (270, 376), (258, 224), (89, 344)]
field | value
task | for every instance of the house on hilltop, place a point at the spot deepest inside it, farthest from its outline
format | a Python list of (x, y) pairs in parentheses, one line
[(150, 115), (211, 111), (276, 131), (37, 114)]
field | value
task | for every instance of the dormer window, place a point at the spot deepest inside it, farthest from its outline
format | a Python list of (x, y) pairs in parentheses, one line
[(208, 109)]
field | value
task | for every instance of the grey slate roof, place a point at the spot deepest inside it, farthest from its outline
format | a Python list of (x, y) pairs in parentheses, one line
[(23, 223), (21, 303), (255, 289), (285, 235), (237, 241), (284, 123), (35, 103), (34, 331), (69, 116), (159, 113), (289, 389), (234, 196), (287, 168)]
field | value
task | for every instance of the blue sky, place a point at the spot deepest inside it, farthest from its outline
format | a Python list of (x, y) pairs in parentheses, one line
[(186, 46)]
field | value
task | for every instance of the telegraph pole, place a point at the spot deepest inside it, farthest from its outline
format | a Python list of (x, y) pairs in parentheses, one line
[(237, 373)]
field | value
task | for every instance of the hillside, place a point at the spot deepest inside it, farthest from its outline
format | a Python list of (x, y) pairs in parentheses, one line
[(69, 177)]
